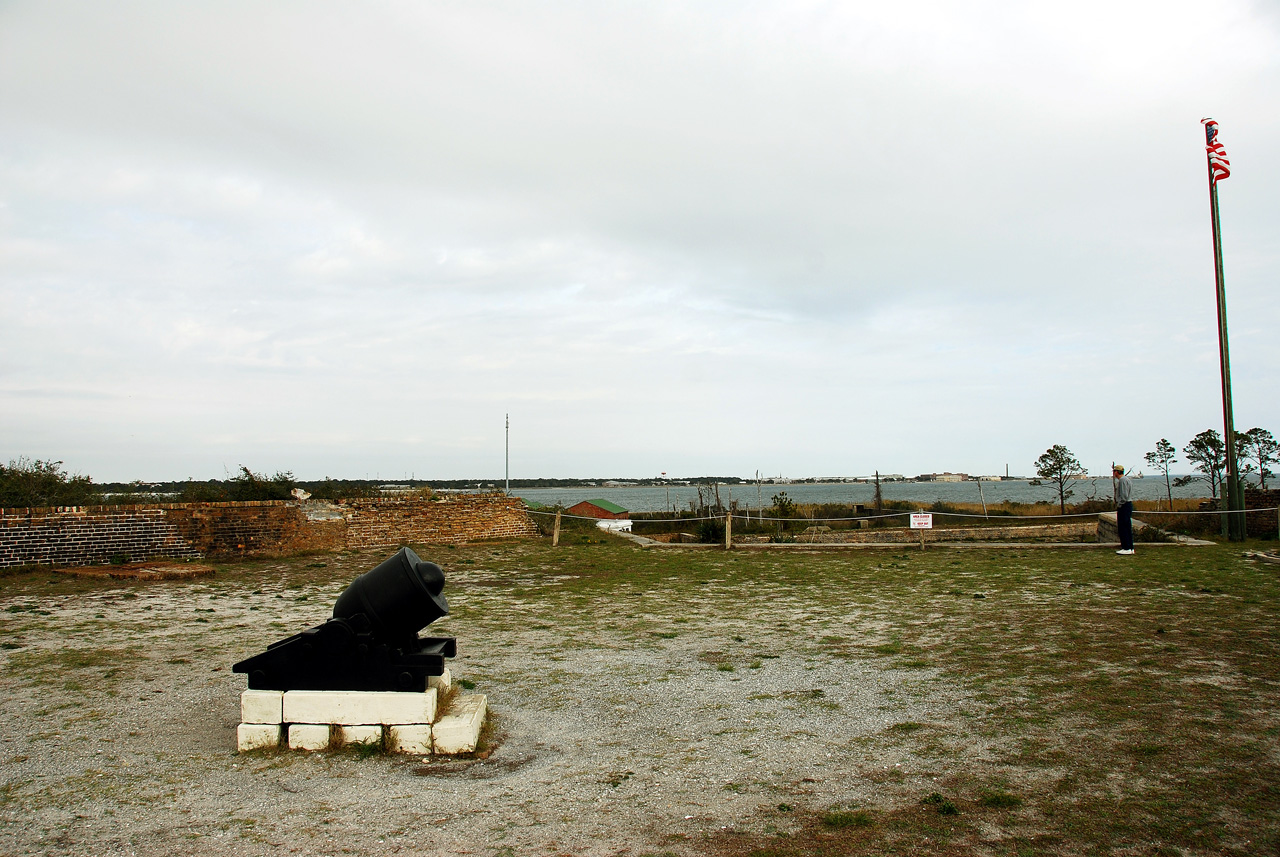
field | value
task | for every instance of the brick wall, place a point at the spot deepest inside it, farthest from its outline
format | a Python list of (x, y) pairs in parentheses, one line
[(1262, 525), (97, 534), (254, 528), (89, 535), (454, 520)]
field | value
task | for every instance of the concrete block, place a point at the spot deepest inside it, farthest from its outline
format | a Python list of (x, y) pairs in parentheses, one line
[(262, 706), (441, 682), (368, 735), (459, 730), (257, 736), (359, 707), (413, 738), (308, 736)]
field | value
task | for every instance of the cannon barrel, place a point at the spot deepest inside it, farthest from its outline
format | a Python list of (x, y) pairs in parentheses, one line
[(371, 642), (399, 597)]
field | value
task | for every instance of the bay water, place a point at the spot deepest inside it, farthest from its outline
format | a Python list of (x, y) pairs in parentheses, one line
[(657, 498)]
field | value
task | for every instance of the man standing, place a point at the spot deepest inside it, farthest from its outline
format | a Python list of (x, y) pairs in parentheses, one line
[(1124, 510)]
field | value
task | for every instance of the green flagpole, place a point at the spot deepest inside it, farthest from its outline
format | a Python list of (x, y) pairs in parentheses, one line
[(1233, 521)]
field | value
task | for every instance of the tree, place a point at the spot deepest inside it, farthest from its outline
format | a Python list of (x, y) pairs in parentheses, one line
[(26, 483), (1260, 446), (1207, 454), (1055, 468), (1160, 459)]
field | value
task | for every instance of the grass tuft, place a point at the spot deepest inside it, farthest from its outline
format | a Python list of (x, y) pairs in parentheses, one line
[(943, 805), (847, 818), (998, 799)]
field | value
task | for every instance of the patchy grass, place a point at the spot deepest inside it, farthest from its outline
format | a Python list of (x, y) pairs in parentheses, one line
[(73, 668), (1114, 705), (1129, 707)]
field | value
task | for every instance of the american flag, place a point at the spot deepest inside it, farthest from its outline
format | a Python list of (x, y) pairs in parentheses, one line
[(1219, 166)]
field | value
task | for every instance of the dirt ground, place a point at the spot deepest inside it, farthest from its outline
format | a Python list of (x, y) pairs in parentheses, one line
[(699, 703)]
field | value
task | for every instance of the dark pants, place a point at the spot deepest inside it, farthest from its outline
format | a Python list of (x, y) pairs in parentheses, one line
[(1124, 523)]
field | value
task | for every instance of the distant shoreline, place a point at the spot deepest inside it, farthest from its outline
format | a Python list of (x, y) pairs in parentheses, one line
[(673, 497)]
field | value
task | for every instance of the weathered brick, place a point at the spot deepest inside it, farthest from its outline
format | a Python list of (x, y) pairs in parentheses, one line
[(88, 535)]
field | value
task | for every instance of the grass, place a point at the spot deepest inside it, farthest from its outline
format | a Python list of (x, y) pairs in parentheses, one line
[(849, 818), (999, 799), (1116, 705)]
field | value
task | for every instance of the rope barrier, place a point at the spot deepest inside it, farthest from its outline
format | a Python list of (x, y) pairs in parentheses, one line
[(1205, 511), (950, 514), (1010, 518), (642, 520), (749, 517)]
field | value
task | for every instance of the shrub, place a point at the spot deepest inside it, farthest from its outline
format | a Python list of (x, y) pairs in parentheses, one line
[(27, 483), (252, 486), (211, 491), (711, 531)]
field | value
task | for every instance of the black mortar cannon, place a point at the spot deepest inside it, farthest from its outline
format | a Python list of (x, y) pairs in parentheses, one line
[(372, 641)]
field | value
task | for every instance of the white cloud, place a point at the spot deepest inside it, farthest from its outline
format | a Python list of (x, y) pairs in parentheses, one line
[(914, 236)]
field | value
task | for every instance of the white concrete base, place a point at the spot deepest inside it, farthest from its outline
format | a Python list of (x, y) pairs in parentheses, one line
[(441, 682), (359, 707), (369, 736), (459, 730), (257, 736), (415, 738), (262, 706), (399, 722), (308, 736)]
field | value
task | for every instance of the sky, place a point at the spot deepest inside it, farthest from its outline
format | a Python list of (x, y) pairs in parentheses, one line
[(804, 238)]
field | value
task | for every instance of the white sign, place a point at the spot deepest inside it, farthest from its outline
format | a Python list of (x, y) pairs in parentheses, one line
[(922, 521)]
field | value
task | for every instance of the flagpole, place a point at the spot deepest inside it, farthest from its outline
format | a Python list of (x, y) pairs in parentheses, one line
[(1234, 519)]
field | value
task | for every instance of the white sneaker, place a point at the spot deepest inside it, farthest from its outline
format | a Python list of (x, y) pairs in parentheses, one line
[(1125, 553)]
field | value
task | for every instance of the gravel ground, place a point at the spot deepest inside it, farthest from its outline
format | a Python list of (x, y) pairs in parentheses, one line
[(642, 723)]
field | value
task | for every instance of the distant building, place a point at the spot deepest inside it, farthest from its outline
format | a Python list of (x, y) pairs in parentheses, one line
[(942, 477), (602, 509)]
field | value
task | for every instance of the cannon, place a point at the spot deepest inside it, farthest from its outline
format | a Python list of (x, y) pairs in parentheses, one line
[(372, 641)]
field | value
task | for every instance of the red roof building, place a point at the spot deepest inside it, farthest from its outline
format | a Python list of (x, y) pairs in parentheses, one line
[(602, 509)]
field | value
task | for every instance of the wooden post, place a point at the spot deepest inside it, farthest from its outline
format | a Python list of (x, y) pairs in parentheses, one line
[(728, 530), (922, 538), (555, 535)]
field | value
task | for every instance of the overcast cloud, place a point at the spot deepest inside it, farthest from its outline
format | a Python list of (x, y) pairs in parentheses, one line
[(808, 238)]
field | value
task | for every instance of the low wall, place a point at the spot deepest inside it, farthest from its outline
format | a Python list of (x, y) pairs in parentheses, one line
[(1085, 530), (93, 535), (455, 520)]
